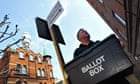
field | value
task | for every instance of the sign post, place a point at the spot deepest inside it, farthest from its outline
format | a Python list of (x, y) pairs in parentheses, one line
[(52, 17), (49, 31), (59, 56)]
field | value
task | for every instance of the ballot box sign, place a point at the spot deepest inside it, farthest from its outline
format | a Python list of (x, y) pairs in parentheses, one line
[(102, 62), (94, 67)]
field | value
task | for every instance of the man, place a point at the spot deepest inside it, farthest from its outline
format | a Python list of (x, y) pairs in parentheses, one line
[(84, 37)]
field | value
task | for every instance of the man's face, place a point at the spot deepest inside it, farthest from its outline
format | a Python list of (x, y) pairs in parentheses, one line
[(83, 35)]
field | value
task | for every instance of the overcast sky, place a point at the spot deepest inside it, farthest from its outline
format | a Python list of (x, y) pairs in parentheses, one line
[(77, 14)]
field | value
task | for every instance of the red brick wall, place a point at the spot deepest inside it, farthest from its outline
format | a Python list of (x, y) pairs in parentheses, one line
[(32, 66), (106, 9), (4, 65)]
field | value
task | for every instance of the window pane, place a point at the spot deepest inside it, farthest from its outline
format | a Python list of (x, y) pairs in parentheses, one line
[(24, 70), (38, 72), (51, 74), (39, 60), (18, 82), (24, 82), (119, 18), (18, 68), (31, 58), (101, 1), (49, 62), (122, 35), (43, 73), (21, 55)]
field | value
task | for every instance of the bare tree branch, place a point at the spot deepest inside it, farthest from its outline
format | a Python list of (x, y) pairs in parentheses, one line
[(16, 42), (4, 20), (3, 33), (10, 34)]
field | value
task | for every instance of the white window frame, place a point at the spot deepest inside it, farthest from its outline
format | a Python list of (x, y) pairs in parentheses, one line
[(39, 60), (31, 57), (49, 62), (24, 82), (51, 74), (21, 55), (101, 1), (38, 72), (119, 18), (122, 35), (43, 72)]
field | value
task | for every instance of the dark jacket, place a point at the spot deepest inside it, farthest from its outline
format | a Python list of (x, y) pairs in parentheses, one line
[(82, 48)]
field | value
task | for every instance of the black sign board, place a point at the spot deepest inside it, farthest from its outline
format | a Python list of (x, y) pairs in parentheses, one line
[(102, 62), (57, 34), (43, 29)]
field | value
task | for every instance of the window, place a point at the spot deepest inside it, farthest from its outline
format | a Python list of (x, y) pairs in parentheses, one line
[(39, 60), (119, 18), (24, 82), (24, 69), (43, 73), (18, 68), (49, 61), (18, 82), (21, 55), (21, 69), (38, 72), (101, 1), (51, 74), (31, 57), (122, 35)]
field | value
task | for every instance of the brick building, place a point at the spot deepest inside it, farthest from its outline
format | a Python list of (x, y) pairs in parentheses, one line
[(22, 66), (123, 17)]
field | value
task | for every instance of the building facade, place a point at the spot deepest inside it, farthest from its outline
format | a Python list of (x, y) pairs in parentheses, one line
[(123, 17), (23, 66)]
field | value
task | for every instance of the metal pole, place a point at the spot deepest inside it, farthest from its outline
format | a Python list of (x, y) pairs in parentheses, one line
[(59, 56)]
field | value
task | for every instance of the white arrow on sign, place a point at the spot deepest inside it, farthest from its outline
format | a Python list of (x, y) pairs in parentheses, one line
[(55, 13)]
